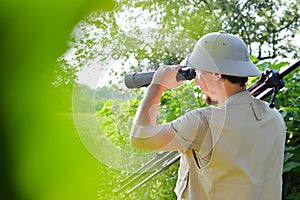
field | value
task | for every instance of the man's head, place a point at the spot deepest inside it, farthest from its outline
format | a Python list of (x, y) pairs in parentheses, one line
[(223, 53), (223, 61)]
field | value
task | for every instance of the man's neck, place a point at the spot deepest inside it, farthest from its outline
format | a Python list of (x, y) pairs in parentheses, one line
[(229, 90)]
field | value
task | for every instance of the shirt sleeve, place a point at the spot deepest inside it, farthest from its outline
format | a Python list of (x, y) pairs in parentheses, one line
[(190, 129)]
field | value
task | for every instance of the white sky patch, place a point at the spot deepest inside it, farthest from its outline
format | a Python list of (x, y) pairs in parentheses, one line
[(95, 73), (133, 17)]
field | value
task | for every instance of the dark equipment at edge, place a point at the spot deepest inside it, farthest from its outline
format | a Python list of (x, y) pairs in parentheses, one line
[(270, 83)]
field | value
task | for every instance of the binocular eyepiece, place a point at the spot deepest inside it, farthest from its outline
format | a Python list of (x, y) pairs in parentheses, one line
[(137, 80)]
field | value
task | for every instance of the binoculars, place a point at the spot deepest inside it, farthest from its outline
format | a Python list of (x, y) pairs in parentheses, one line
[(137, 80)]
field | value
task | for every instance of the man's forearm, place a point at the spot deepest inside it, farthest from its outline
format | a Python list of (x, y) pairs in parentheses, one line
[(145, 133), (146, 114)]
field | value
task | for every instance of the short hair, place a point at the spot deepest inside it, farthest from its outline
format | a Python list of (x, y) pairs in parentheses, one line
[(235, 79)]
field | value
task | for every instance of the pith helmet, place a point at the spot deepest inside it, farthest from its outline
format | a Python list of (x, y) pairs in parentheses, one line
[(223, 53)]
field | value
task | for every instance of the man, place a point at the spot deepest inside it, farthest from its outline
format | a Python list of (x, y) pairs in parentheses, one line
[(230, 151)]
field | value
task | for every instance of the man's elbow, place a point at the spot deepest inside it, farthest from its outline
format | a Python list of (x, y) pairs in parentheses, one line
[(136, 137), (141, 137), (134, 142)]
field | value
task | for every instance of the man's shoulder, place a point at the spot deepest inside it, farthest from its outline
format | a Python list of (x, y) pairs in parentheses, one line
[(212, 110)]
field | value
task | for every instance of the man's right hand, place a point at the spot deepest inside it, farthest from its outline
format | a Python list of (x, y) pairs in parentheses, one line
[(166, 76)]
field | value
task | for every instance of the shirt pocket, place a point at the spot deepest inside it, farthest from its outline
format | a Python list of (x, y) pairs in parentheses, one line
[(182, 183), (229, 191)]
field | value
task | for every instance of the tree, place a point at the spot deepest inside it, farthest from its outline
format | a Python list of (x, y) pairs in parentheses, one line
[(267, 32), (107, 36)]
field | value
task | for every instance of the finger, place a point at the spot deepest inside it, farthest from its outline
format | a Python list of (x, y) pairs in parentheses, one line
[(178, 67), (179, 82)]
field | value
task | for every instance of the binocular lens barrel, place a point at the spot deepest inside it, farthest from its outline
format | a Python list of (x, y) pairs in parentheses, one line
[(137, 80)]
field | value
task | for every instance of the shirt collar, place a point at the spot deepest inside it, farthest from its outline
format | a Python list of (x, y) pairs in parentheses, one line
[(243, 97)]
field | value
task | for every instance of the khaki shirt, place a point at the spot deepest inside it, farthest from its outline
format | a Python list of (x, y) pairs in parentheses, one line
[(234, 151)]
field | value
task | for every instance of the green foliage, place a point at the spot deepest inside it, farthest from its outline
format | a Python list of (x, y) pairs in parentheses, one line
[(115, 115), (260, 25), (176, 102), (103, 37), (159, 187)]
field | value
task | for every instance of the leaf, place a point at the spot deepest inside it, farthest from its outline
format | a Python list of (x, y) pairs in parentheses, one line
[(290, 165), (287, 156)]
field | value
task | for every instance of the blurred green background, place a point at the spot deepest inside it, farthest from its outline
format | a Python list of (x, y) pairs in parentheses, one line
[(42, 157)]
